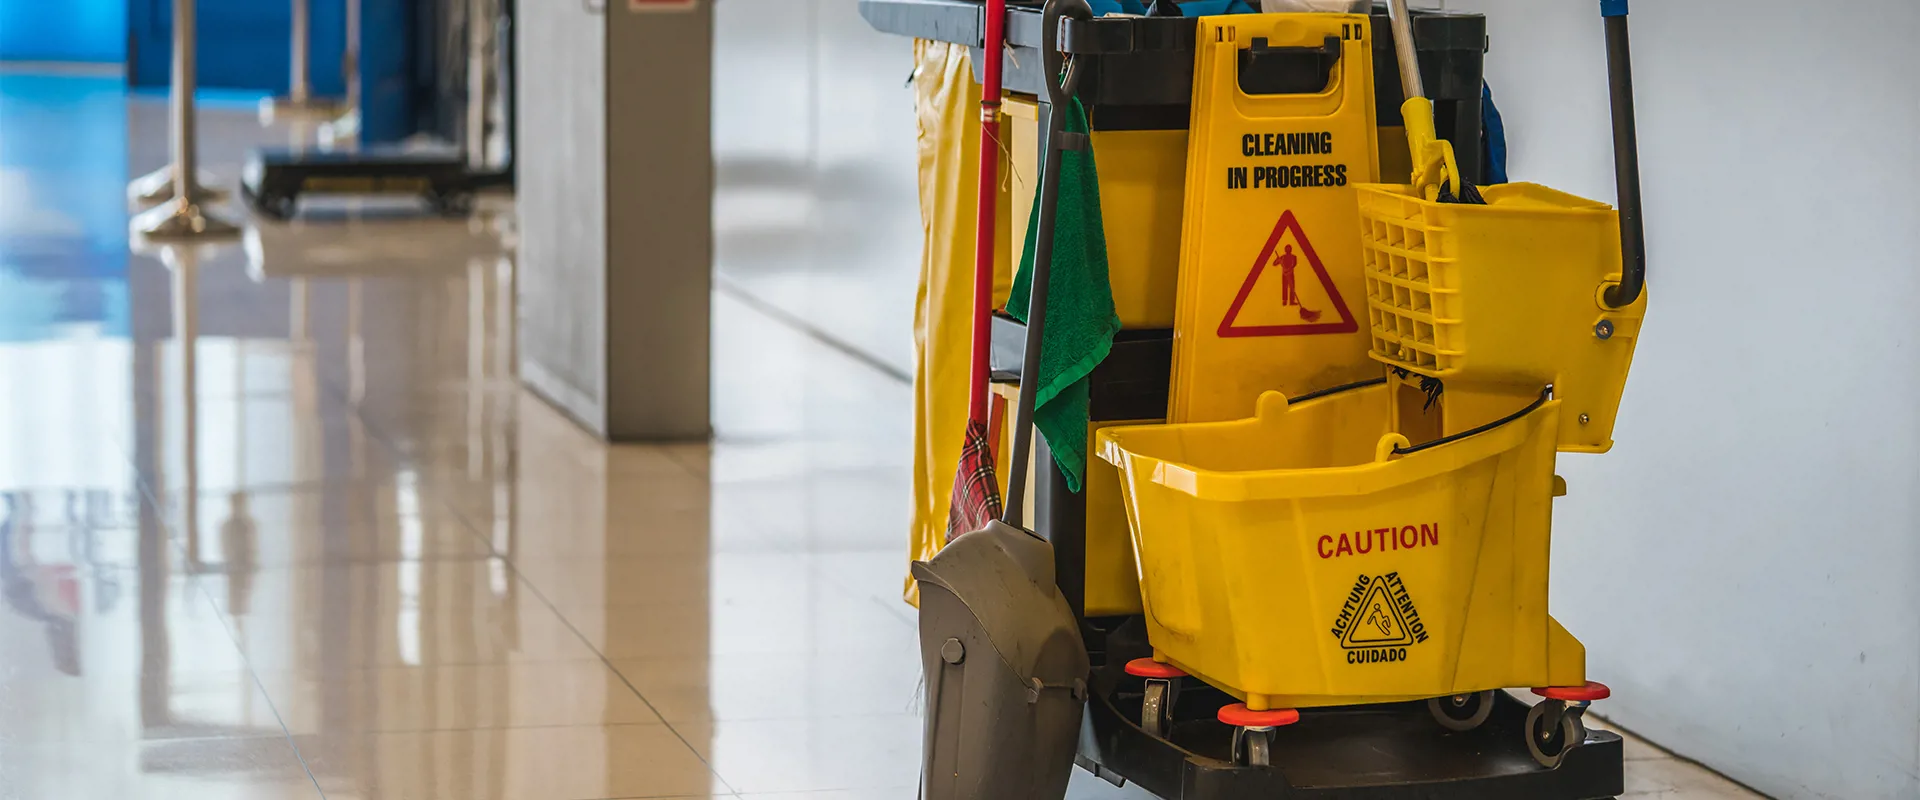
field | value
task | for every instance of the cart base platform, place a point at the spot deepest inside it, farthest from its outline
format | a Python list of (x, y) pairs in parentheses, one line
[(1378, 752), (273, 181)]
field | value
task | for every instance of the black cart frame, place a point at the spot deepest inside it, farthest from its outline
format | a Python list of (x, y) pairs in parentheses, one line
[(1139, 76)]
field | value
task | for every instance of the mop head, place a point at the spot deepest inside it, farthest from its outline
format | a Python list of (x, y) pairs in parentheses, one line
[(976, 491)]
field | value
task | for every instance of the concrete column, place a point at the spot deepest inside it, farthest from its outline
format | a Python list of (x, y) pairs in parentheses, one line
[(615, 199)]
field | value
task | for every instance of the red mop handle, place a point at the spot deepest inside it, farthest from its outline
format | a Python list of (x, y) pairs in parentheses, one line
[(989, 194)]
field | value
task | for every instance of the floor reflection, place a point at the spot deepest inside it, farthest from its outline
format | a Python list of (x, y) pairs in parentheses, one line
[(45, 587), (262, 505), (280, 522)]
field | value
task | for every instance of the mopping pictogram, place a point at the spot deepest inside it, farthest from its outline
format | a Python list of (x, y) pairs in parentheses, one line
[(1295, 317)]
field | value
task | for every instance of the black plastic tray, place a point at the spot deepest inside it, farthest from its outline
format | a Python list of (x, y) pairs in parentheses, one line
[(1385, 752), (1381, 752), (1142, 76), (1131, 384)]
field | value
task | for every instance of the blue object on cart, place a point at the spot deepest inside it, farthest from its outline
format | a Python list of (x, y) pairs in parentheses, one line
[(1493, 134), (1211, 8), (1191, 8)]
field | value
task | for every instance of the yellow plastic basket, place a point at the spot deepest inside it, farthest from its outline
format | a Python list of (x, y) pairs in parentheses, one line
[(1297, 559), (1506, 293)]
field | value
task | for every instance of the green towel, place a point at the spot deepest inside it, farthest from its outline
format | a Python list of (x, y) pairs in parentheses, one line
[(1080, 317)]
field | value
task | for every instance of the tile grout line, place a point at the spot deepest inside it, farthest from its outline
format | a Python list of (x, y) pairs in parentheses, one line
[(608, 663), (1619, 728), (233, 637), (731, 288), (149, 495), (386, 444)]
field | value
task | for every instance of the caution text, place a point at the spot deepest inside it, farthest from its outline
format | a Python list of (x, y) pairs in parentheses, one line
[(1379, 540)]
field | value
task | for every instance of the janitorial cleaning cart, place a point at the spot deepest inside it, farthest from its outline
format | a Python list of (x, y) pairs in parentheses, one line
[(1304, 549)]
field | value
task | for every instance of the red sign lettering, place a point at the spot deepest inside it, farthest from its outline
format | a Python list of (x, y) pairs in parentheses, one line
[(1379, 540)]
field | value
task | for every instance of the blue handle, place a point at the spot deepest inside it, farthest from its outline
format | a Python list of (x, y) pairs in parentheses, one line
[(1613, 8)]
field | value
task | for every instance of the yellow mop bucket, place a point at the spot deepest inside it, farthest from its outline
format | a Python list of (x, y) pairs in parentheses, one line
[(1312, 556)]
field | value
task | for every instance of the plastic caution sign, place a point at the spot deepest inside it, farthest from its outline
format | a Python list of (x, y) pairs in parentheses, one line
[(1270, 262)]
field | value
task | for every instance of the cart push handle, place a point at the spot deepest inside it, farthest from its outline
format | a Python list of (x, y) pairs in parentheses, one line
[(1053, 58), (1626, 158), (1063, 76)]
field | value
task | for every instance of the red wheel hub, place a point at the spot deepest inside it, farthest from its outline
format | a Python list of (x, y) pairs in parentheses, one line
[(1594, 690), (1149, 668), (1239, 716)]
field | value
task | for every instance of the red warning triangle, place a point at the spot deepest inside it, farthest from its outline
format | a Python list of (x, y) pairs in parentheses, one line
[(1299, 315)]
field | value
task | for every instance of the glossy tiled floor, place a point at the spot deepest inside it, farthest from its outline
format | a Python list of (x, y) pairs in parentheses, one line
[(338, 553)]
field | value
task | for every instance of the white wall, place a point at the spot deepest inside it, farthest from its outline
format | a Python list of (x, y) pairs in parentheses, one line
[(816, 207), (1744, 566)]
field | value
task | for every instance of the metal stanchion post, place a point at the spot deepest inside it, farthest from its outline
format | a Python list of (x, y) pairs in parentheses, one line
[(181, 215), (487, 79), (300, 84), (345, 127), (478, 37), (158, 186), (299, 101)]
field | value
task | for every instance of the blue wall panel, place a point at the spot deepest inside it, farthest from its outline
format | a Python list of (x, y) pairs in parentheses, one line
[(63, 210), (246, 44), (388, 62), (82, 30)]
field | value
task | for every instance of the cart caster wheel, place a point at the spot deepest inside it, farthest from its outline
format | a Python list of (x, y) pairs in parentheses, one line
[(453, 205), (1550, 743), (1156, 711), (275, 207), (1163, 691), (1253, 732), (1554, 726), (1462, 712), (1253, 747)]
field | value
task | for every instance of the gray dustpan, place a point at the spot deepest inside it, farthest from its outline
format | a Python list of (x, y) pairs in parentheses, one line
[(1006, 669)]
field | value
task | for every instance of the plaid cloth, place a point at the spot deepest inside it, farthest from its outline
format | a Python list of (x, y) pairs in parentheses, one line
[(976, 492)]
